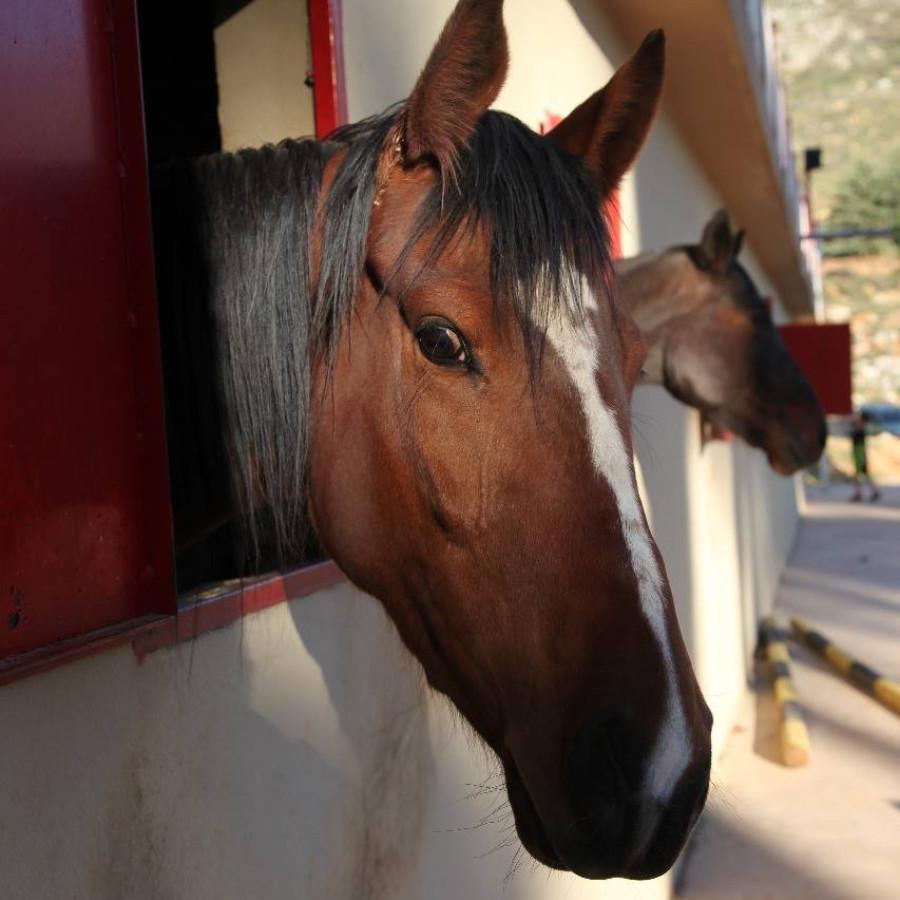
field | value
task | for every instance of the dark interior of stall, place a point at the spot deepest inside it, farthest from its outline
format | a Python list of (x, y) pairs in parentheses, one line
[(181, 97)]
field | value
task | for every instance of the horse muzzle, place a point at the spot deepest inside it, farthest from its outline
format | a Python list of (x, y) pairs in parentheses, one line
[(613, 827)]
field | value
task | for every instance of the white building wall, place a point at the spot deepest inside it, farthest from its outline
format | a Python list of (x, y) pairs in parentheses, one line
[(297, 753), (286, 756), (262, 57)]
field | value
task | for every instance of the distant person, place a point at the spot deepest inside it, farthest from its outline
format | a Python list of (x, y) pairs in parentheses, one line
[(858, 434)]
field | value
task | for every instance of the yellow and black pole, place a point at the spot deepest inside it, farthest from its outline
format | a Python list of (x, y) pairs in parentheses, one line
[(794, 738), (884, 690)]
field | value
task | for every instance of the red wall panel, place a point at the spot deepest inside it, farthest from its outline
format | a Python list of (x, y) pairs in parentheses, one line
[(84, 513), (823, 353)]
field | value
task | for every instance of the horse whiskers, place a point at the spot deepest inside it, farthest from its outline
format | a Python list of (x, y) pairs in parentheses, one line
[(721, 797), (481, 790), (497, 816), (514, 866), (502, 845), (484, 786)]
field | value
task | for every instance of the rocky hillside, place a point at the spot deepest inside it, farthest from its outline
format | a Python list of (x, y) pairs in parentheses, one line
[(841, 64), (865, 290)]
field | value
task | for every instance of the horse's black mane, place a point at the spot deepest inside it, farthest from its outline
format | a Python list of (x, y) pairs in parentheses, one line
[(242, 322)]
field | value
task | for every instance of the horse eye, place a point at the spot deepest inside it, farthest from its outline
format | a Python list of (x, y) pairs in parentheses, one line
[(441, 343)]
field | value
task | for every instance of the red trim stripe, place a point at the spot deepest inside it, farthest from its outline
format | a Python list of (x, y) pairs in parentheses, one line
[(222, 605), (63, 652), (329, 89)]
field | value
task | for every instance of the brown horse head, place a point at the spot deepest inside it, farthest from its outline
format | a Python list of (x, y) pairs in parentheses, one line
[(471, 460), (714, 346), (460, 370)]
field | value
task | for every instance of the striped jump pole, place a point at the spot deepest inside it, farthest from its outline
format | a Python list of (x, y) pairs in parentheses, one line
[(793, 736), (884, 690)]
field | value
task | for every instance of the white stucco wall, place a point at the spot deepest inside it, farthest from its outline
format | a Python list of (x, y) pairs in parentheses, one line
[(283, 757), (262, 59), (297, 754)]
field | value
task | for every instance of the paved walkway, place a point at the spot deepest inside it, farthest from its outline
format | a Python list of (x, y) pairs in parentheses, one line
[(830, 831)]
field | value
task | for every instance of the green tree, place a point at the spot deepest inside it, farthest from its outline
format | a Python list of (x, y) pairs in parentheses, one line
[(868, 198)]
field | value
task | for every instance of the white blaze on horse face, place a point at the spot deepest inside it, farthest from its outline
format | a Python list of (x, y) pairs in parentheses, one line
[(578, 347)]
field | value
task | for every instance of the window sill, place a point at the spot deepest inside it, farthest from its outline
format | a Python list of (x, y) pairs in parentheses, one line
[(205, 610)]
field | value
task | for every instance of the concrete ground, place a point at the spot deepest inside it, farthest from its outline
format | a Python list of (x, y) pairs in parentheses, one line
[(830, 831)]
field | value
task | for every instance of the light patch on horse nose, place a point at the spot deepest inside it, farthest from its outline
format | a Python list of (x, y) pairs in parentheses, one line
[(578, 347)]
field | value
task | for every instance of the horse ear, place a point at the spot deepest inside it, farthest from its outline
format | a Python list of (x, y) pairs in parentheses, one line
[(461, 79), (608, 129), (718, 246)]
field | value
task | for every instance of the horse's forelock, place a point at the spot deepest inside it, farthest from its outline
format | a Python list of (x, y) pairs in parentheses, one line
[(540, 213), (257, 213)]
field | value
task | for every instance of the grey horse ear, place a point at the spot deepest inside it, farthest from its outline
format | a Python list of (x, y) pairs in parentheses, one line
[(718, 246), (738, 243)]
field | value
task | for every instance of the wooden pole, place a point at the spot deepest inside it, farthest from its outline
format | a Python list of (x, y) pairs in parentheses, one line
[(794, 738), (884, 690)]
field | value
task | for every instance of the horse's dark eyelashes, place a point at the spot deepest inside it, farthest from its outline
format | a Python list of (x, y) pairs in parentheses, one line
[(442, 343)]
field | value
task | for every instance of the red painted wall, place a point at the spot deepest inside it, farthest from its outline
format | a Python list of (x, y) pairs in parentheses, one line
[(823, 353), (84, 509)]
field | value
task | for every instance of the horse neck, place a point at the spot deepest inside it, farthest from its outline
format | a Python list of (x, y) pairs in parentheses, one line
[(654, 288)]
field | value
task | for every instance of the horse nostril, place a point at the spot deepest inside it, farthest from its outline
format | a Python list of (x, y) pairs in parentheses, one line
[(623, 828), (605, 763)]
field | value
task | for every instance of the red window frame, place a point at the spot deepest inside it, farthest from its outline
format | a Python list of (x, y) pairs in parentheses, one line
[(85, 524), (329, 84), (167, 620)]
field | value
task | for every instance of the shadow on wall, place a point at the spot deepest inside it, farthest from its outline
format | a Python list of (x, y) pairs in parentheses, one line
[(209, 803), (378, 694), (662, 446), (301, 759), (285, 756), (766, 521), (746, 525)]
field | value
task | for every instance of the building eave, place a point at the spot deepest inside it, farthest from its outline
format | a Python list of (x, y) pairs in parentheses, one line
[(712, 100)]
